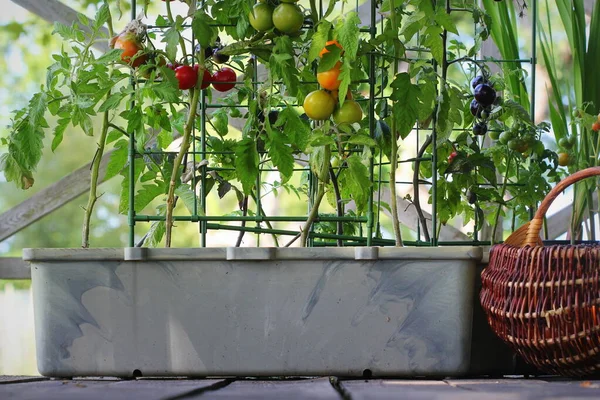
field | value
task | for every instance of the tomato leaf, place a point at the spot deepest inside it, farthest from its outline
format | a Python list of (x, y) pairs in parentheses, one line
[(102, 16), (445, 20), (319, 39), (347, 33), (111, 103), (189, 198), (166, 91), (433, 40), (203, 32), (296, 130), (59, 130), (171, 38), (346, 79), (246, 163), (281, 155), (118, 159), (68, 33), (146, 194), (356, 179), (405, 95), (362, 139)]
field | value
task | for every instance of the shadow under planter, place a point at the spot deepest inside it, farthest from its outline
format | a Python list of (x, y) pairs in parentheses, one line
[(253, 311)]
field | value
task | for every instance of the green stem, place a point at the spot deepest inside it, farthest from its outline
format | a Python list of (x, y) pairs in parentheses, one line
[(503, 192), (93, 194), (172, 21), (185, 145), (93, 197), (323, 177), (394, 155)]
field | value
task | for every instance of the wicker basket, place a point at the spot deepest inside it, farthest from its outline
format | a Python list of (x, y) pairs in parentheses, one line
[(545, 301)]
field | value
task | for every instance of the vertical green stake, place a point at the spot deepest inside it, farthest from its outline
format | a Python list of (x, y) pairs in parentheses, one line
[(373, 33), (131, 155)]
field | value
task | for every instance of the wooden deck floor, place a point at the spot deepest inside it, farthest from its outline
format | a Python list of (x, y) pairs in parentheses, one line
[(33, 388)]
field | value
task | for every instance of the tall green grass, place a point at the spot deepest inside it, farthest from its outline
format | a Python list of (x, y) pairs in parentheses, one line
[(577, 88)]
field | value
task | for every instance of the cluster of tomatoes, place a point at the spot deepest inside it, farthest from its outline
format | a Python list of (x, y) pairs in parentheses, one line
[(283, 15), (321, 104), (135, 55), (484, 97)]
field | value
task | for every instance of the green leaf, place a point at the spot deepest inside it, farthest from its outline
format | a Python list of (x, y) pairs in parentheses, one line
[(156, 233), (281, 156), (66, 32), (445, 20), (362, 139), (347, 32), (356, 178), (517, 111), (146, 194), (444, 125), (112, 102), (166, 91), (405, 96), (189, 198), (433, 40), (203, 32), (171, 38), (246, 163), (118, 159), (329, 60), (10, 167), (346, 79), (320, 139), (110, 56), (59, 131), (319, 39), (30, 143), (37, 108), (296, 130), (102, 16)]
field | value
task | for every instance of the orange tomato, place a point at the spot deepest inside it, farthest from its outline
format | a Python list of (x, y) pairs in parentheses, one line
[(329, 43), (130, 48), (330, 79)]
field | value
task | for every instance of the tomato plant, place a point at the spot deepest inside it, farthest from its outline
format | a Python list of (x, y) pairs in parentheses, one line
[(361, 111)]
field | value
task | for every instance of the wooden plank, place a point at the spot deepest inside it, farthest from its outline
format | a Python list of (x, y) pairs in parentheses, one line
[(147, 389), (48, 199), (5, 380), (412, 389), (55, 11), (277, 390), (14, 268)]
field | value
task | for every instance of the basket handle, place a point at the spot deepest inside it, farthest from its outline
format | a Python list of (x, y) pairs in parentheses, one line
[(533, 231)]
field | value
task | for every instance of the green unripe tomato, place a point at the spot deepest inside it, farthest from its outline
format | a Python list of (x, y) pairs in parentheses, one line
[(288, 18), (505, 137), (513, 144), (565, 143), (261, 17), (494, 135), (349, 113)]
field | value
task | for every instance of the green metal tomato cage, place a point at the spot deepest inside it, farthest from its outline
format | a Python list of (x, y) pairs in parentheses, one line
[(366, 223)]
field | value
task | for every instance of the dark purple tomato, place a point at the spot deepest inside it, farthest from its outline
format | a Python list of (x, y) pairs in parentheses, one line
[(485, 94), (480, 128), (478, 80)]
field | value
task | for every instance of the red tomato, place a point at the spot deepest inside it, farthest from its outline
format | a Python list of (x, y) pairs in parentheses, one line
[(224, 79), (186, 76), (206, 77)]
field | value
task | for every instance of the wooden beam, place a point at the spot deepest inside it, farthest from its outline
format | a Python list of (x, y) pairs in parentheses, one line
[(55, 11), (49, 199), (14, 268)]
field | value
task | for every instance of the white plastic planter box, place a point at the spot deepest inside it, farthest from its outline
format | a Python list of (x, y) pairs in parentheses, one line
[(253, 311)]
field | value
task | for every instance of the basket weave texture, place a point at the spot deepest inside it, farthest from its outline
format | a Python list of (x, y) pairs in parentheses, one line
[(543, 301)]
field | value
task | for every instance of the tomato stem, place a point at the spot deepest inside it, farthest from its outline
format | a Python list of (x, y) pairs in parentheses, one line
[(394, 143), (185, 145), (323, 177)]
